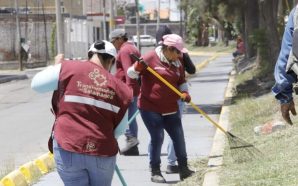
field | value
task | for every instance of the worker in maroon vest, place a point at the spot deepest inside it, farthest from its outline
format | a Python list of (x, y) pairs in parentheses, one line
[(123, 61), (90, 107), (158, 103)]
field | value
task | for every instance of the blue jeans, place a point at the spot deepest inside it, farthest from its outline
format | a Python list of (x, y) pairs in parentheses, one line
[(171, 152), (156, 124), (83, 170), (172, 158), (132, 131)]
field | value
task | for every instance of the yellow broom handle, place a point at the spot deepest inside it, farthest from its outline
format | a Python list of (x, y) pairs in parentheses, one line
[(180, 94)]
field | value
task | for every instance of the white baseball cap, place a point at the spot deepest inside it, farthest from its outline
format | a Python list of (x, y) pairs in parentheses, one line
[(103, 47), (117, 33)]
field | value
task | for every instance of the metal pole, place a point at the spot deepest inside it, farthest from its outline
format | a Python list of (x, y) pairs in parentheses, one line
[(104, 20), (26, 23), (170, 9), (138, 24), (70, 30), (158, 15), (112, 16), (18, 35), (59, 27), (45, 32), (181, 32)]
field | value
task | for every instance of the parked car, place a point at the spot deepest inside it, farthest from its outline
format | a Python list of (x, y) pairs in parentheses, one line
[(145, 40)]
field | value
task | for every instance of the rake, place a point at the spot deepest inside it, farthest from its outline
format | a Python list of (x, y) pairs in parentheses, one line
[(240, 149)]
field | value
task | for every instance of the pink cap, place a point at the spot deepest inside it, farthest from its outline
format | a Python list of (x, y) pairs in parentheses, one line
[(174, 40)]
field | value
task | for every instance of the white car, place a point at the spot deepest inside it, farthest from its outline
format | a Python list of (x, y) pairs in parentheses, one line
[(145, 40)]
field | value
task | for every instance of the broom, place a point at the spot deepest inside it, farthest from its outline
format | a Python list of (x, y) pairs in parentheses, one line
[(116, 167), (240, 149)]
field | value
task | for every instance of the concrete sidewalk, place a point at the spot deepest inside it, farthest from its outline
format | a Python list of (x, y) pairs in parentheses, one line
[(207, 89)]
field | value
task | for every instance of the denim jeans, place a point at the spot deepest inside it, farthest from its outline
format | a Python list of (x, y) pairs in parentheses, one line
[(172, 158), (156, 124), (83, 170), (132, 131), (171, 152)]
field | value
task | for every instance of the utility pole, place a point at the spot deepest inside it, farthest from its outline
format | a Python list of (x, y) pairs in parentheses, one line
[(18, 35), (138, 24), (104, 21), (59, 27), (158, 15)]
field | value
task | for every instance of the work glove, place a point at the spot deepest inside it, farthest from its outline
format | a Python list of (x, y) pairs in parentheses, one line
[(139, 66), (285, 111), (185, 97)]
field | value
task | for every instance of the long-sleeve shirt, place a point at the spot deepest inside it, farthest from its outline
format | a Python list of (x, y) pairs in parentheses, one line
[(47, 80), (155, 95), (283, 81), (123, 62)]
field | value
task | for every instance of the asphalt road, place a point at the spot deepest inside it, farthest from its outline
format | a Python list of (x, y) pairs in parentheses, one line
[(25, 124)]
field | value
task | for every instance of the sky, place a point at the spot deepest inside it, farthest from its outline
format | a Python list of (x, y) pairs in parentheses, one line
[(153, 4)]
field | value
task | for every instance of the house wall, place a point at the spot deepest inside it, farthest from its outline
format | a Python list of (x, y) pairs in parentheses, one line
[(33, 30)]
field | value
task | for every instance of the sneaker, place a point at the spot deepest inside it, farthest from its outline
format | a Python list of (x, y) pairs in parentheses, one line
[(172, 169), (185, 172), (130, 142), (156, 176), (134, 151), (158, 179)]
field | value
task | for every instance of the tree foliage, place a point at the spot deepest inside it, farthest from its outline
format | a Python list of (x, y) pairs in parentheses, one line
[(260, 22)]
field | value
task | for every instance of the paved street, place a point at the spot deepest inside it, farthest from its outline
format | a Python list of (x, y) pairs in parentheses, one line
[(26, 121)]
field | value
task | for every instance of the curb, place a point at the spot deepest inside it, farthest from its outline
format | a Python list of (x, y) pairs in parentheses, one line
[(215, 162), (30, 172), (7, 78)]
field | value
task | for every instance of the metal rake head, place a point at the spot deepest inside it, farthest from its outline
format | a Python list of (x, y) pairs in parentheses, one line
[(241, 150)]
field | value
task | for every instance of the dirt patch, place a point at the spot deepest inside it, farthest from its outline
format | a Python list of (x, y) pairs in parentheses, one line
[(256, 86)]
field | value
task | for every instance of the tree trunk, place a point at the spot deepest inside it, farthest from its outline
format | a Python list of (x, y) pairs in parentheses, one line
[(268, 22), (251, 21)]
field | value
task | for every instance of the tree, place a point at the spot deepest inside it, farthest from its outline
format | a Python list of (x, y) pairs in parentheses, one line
[(257, 20), (268, 23), (251, 23)]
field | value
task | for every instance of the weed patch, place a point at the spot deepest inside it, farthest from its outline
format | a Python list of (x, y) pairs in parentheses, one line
[(278, 164)]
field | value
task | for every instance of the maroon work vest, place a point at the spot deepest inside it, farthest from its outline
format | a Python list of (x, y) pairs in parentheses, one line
[(89, 104)]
